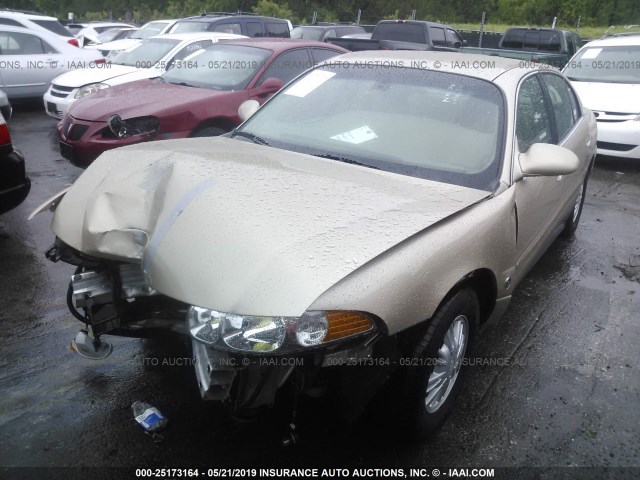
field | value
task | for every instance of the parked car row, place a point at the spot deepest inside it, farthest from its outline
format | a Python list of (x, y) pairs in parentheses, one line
[(30, 59), (198, 97), (149, 59)]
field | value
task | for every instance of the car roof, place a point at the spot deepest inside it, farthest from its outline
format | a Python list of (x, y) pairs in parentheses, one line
[(162, 20), (323, 27), (479, 66), (280, 44), (195, 35), (616, 41), (27, 15), (216, 18), (106, 24), (45, 33)]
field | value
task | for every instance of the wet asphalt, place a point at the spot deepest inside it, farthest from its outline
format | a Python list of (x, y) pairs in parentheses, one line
[(556, 381)]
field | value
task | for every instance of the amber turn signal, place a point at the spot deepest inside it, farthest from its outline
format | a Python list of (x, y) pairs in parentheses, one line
[(345, 324)]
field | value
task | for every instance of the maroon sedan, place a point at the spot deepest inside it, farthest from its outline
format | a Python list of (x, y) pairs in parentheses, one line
[(199, 96)]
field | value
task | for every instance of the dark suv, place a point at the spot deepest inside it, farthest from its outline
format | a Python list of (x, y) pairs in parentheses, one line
[(243, 24)]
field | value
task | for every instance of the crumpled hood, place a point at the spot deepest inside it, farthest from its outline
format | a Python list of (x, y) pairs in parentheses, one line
[(243, 228), (609, 97), (85, 76), (138, 99)]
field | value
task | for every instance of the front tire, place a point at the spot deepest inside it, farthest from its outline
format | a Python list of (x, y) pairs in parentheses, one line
[(574, 217), (437, 364)]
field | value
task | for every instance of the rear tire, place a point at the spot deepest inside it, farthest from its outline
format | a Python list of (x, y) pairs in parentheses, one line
[(433, 378)]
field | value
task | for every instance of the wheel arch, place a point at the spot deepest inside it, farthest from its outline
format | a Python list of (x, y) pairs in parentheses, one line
[(483, 282), (217, 122)]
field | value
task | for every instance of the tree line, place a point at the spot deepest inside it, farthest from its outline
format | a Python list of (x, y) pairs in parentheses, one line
[(521, 12)]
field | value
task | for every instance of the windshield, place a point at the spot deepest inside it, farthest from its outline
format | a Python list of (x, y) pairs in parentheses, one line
[(112, 34), (149, 30), (190, 26), (307, 33), (618, 64), (146, 53), (219, 67), (433, 125)]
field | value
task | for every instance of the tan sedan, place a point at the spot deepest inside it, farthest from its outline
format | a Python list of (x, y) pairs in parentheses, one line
[(362, 225)]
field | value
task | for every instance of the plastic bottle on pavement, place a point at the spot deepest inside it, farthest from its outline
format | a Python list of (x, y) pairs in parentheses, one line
[(149, 417)]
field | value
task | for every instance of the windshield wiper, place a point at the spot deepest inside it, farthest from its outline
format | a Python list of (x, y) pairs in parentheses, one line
[(182, 84), (345, 160), (251, 136)]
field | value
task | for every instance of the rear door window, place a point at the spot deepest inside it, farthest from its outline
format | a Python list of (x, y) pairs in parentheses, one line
[(228, 28), (561, 101), (18, 43), (322, 54), (288, 65), (437, 36), (254, 29)]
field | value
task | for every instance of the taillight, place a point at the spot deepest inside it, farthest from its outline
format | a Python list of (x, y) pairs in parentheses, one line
[(5, 138), (73, 42), (100, 60)]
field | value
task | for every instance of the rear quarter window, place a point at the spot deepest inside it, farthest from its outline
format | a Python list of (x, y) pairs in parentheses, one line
[(228, 28), (278, 29), (10, 22), (54, 26)]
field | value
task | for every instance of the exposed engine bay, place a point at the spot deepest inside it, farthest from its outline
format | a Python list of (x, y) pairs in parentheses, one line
[(114, 298)]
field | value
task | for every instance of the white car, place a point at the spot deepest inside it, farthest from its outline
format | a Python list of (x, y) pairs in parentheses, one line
[(150, 58), (606, 75), (91, 32), (150, 29), (30, 59), (117, 33), (35, 21)]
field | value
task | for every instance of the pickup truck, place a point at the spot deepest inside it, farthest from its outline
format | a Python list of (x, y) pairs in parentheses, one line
[(540, 45), (405, 35)]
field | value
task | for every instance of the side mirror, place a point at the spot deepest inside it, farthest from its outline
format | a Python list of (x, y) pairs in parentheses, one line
[(247, 108), (544, 159), (270, 85)]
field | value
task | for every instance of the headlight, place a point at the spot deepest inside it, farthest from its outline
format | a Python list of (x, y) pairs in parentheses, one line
[(131, 126), (249, 333), (91, 88)]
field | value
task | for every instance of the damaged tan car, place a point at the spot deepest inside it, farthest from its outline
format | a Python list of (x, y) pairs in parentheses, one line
[(362, 225)]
